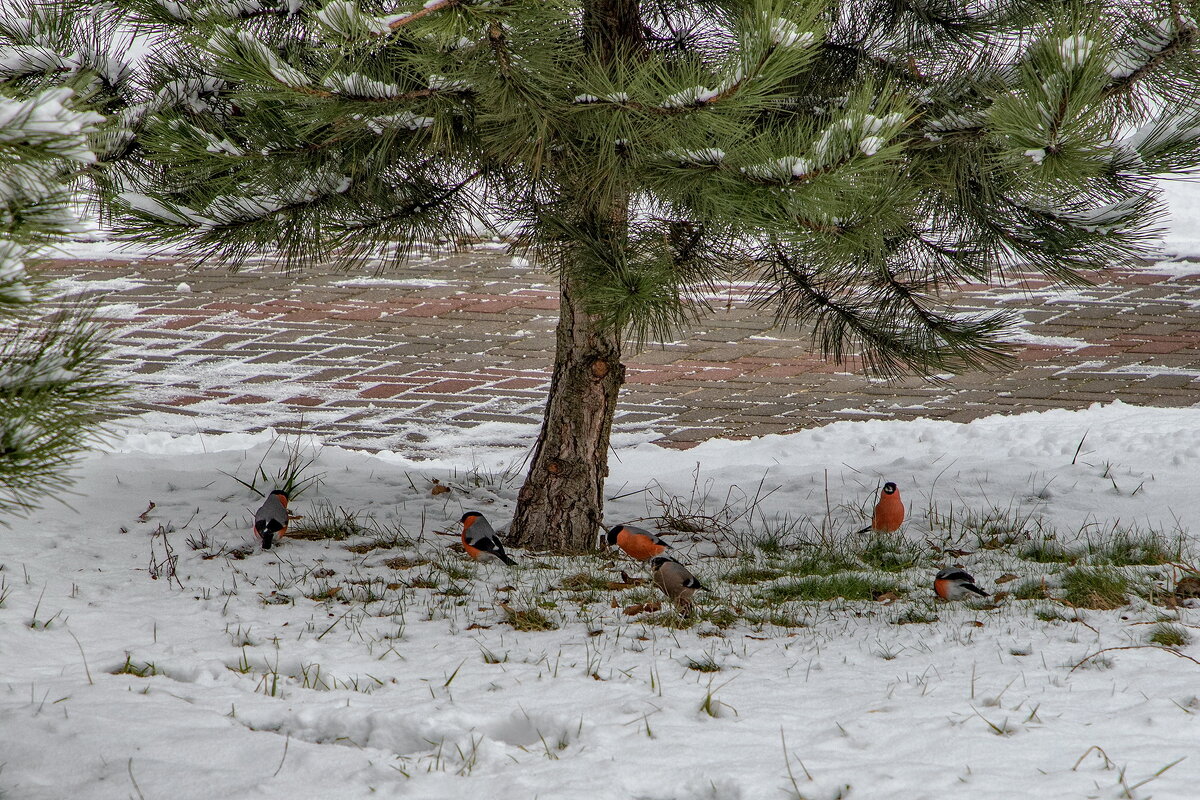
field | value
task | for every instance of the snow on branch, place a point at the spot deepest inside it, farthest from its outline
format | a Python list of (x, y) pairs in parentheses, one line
[(346, 18), (404, 119), (784, 33), (1157, 45), (241, 46), (1106, 218), (32, 59), (358, 85), (228, 209), (836, 146), (237, 209), (1074, 50), (43, 120)]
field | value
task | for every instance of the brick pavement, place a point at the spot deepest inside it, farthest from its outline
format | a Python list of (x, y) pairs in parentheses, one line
[(450, 342)]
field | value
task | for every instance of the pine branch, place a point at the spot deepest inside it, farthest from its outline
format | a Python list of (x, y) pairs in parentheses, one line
[(1184, 38), (436, 5)]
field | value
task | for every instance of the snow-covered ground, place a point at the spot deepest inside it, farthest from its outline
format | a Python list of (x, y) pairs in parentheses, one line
[(319, 671)]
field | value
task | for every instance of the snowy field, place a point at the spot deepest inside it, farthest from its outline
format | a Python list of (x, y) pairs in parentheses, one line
[(387, 664)]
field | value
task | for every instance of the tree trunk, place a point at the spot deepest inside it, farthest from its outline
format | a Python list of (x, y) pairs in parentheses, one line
[(560, 507)]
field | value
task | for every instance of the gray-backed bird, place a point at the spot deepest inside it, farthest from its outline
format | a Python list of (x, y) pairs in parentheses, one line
[(271, 519), (481, 542), (956, 584), (676, 582)]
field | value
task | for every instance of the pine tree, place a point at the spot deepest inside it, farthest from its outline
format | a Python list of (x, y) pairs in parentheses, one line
[(53, 387), (856, 160)]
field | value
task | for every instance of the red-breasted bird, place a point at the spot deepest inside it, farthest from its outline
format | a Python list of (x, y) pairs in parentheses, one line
[(481, 542), (636, 542), (271, 519), (676, 582), (889, 511), (956, 584)]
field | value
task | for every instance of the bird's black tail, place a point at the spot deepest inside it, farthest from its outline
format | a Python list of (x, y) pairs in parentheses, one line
[(504, 557), (267, 538)]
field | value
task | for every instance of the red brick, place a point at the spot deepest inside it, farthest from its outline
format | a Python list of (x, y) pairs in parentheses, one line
[(451, 386), (304, 400), (247, 399), (521, 383), (1158, 347), (385, 390)]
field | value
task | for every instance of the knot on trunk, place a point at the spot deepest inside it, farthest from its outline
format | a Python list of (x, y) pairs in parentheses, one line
[(600, 368)]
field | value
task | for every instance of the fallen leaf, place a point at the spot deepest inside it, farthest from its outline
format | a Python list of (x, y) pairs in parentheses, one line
[(974, 623), (642, 608), (618, 585), (145, 515), (475, 626), (998, 596), (394, 586), (887, 598), (1188, 586), (1006, 577), (439, 489), (596, 632), (960, 553)]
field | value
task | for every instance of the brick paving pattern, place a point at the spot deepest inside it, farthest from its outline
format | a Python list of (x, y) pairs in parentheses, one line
[(451, 342)]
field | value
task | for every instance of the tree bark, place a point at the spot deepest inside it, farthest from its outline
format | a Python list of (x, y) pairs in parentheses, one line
[(561, 505)]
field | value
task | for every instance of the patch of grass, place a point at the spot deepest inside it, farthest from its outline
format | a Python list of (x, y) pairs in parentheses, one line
[(705, 663), (770, 544), (1046, 551), (845, 586), (721, 617), (750, 574), (293, 477), (995, 528), (583, 582), (1095, 588), (130, 667), (669, 619), (423, 582), (456, 570), (529, 619), (323, 521), (1050, 614), (915, 616), (890, 553), (1169, 635), (491, 658), (404, 562), (778, 618), (1130, 547), (1030, 589), (826, 561)]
